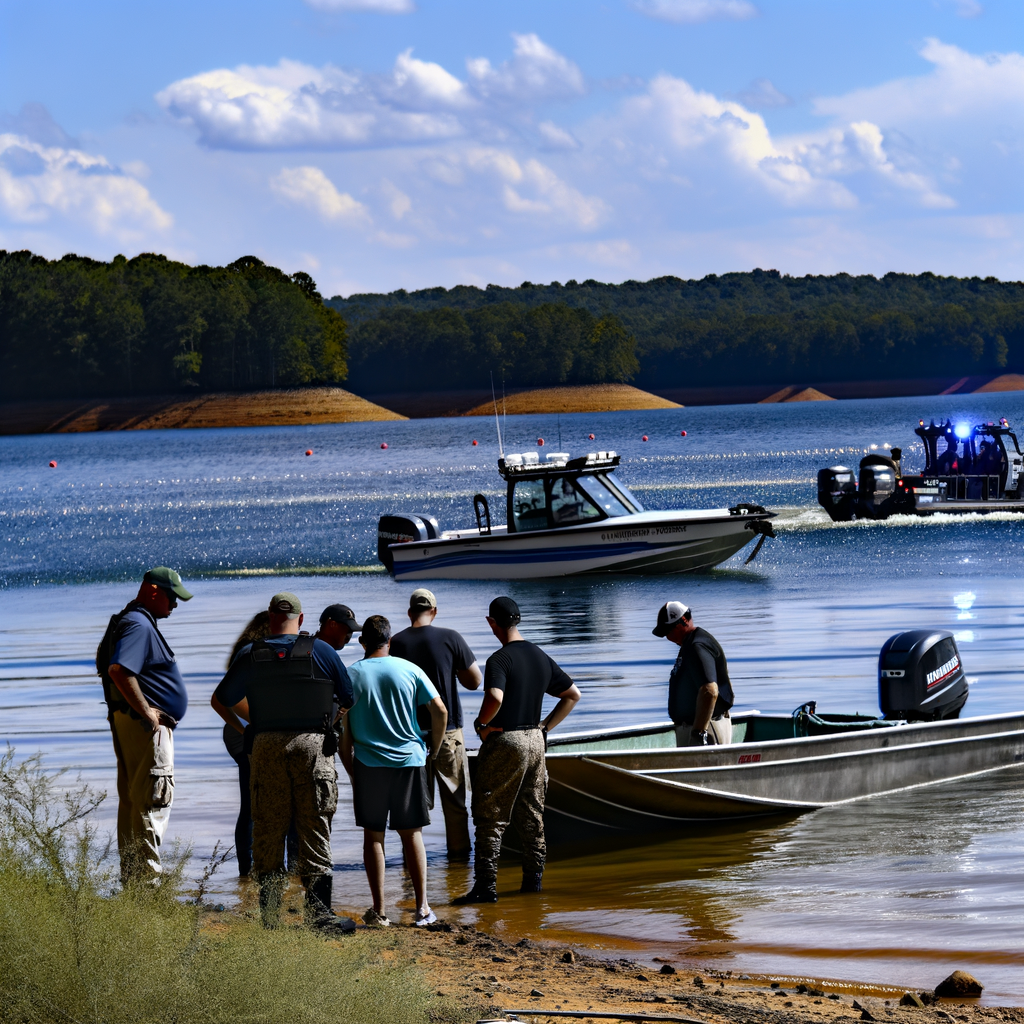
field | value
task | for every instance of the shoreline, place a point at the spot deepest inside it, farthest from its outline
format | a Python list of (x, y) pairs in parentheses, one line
[(321, 405)]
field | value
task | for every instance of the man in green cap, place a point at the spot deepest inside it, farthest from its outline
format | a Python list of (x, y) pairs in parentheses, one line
[(285, 687), (146, 698)]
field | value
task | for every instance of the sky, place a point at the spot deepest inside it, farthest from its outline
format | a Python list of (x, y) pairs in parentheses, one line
[(384, 144)]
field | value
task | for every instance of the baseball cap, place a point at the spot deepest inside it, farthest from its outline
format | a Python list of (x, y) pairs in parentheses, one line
[(168, 579), (422, 599), (668, 615), (285, 604), (505, 612), (340, 613)]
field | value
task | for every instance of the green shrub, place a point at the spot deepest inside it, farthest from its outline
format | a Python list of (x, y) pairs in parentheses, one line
[(73, 950)]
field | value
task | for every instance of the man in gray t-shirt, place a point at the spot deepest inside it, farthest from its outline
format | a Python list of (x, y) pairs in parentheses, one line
[(699, 691)]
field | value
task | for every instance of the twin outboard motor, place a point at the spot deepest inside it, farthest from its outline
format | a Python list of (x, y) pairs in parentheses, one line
[(403, 528), (920, 677)]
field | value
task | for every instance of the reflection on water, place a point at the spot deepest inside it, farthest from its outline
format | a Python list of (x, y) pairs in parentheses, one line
[(901, 890)]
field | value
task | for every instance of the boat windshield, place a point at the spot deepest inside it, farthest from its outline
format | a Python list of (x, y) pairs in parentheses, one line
[(530, 506), (617, 486), (604, 497), (569, 504)]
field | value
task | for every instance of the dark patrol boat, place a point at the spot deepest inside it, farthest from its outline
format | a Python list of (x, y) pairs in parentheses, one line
[(979, 470)]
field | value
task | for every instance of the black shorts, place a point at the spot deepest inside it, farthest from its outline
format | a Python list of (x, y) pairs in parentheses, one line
[(396, 793)]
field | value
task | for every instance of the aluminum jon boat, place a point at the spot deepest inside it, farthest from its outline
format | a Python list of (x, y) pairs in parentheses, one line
[(567, 517), (631, 781)]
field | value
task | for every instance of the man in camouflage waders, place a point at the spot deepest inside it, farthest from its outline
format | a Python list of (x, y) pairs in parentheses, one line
[(285, 687), (511, 778)]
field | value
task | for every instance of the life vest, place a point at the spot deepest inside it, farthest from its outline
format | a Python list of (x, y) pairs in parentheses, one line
[(287, 690)]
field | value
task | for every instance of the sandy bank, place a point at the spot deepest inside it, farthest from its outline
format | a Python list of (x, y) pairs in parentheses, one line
[(792, 393), (279, 408), (588, 398)]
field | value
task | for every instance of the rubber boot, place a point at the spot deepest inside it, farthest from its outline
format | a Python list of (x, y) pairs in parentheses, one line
[(484, 891), (532, 881), (271, 892), (317, 911)]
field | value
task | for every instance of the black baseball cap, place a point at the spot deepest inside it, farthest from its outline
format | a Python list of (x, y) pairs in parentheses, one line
[(668, 615), (342, 614), (505, 612)]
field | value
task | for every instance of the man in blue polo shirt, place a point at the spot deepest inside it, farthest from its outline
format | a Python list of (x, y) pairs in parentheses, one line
[(146, 698), (383, 750)]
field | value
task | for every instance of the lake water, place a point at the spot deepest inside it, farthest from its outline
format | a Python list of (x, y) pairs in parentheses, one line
[(897, 891)]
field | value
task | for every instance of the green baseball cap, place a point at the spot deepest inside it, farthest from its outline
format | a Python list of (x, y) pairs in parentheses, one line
[(168, 579), (285, 603)]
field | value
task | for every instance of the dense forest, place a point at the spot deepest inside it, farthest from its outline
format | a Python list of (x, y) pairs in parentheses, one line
[(746, 328), (76, 327)]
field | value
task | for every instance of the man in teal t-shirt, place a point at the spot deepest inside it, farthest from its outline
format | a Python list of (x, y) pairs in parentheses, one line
[(384, 753)]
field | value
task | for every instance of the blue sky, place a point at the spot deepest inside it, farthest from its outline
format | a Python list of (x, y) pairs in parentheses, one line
[(381, 144)]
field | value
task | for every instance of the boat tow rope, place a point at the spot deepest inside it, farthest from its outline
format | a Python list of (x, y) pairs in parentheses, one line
[(763, 527), (591, 1014)]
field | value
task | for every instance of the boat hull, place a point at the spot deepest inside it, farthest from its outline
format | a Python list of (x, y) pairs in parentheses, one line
[(631, 545), (628, 793)]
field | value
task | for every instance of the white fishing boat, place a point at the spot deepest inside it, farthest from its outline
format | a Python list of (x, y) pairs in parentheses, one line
[(567, 517)]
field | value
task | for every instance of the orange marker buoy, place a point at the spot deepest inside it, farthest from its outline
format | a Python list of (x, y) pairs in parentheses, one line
[(644, 438), (309, 451), (590, 437), (540, 442), (682, 433), (474, 444), (53, 463), (384, 445)]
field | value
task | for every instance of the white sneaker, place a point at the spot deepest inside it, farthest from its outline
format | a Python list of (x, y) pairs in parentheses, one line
[(423, 920), (374, 920)]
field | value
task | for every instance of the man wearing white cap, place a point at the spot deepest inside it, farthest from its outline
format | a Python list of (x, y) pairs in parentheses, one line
[(447, 660), (699, 691)]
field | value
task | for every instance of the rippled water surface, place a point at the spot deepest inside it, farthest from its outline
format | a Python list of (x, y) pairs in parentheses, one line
[(895, 891)]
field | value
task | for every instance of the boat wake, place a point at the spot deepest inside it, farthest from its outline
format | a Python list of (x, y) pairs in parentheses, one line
[(808, 519)]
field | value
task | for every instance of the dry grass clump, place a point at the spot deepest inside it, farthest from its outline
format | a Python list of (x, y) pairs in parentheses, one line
[(73, 950)]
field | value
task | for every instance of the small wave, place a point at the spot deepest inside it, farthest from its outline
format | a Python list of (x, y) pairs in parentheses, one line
[(805, 519)]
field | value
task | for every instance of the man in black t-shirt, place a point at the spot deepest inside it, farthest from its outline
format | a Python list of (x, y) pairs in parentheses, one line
[(447, 660), (511, 778), (699, 691)]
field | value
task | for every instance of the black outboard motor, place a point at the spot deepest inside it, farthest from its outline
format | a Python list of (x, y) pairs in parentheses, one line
[(877, 486), (920, 677), (837, 493), (403, 528)]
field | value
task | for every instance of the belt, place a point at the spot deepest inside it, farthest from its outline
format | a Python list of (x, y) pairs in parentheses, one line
[(715, 718), (519, 728)]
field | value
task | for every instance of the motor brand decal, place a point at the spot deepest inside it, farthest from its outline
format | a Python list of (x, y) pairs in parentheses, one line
[(749, 759), (942, 672)]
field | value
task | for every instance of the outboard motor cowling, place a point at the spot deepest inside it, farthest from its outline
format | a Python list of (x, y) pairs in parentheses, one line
[(920, 676), (837, 493), (877, 485), (402, 528)]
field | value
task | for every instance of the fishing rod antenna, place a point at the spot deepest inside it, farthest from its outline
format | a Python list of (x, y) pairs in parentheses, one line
[(497, 424)]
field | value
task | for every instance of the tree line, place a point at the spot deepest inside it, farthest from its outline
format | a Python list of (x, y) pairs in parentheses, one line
[(77, 327), (80, 327), (761, 326)]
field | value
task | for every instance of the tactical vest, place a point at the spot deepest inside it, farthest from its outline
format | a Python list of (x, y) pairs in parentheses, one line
[(287, 690)]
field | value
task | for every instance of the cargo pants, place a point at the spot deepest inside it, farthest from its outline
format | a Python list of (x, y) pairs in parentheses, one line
[(719, 732), (292, 779), (145, 791), (448, 773), (509, 788)]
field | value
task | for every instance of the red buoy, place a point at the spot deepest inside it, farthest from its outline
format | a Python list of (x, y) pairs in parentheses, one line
[(384, 445), (644, 438), (540, 442), (682, 433), (590, 436), (474, 444), (53, 463), (309, 451)]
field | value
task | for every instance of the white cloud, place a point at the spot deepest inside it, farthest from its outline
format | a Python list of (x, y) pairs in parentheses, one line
[(310, 187), (535, 72), (296, 106), (38, 182), (761, 94), (691, 12), (398, 202), (557, 138), (377, 6), (968, 8)]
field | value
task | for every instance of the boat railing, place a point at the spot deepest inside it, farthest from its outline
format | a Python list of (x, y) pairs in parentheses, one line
[(971, 486)]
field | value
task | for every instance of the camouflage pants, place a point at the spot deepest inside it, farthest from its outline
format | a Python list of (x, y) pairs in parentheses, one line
[(292, 779), (510, 785)]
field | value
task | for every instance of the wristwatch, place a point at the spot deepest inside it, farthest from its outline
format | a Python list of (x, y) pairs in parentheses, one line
[(701, 736)]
